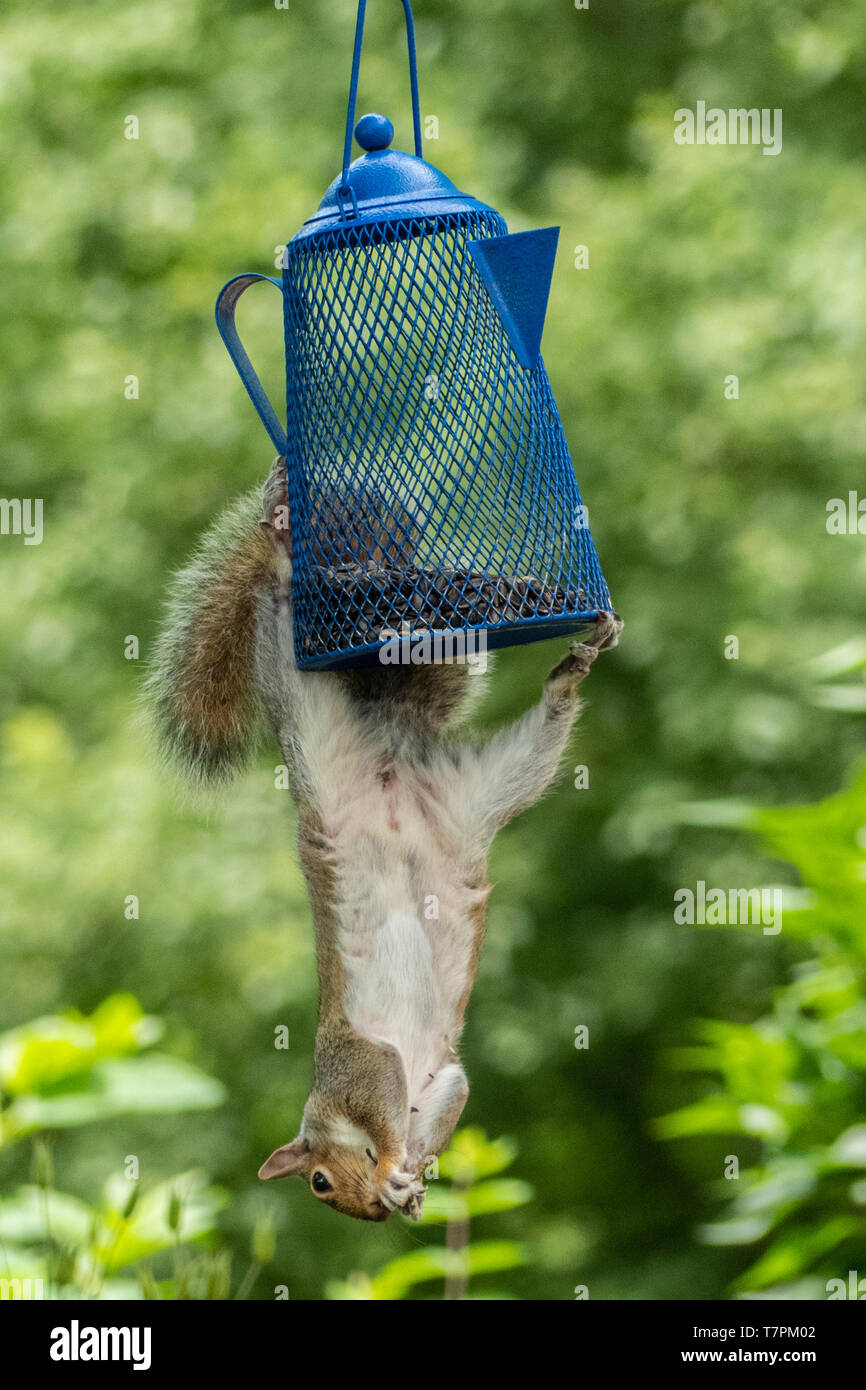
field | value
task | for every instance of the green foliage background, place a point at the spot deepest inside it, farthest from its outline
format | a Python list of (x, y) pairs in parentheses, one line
[(709, 515)]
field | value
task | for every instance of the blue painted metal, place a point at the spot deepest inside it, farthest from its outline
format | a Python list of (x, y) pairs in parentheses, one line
[(356, 70), (430, 484), (225, 317), (386, 185), (518, 272), (374, 132)]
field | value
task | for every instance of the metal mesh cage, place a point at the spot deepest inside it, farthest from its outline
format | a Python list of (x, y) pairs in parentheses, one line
[(430, 484)]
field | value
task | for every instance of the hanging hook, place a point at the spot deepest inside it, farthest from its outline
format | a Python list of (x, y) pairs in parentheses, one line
[(344, 192)]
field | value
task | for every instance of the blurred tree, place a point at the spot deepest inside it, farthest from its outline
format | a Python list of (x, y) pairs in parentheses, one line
[(121, 411), (796, 1079)]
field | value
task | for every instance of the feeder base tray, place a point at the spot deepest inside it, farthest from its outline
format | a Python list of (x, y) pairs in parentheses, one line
[(375, 603)]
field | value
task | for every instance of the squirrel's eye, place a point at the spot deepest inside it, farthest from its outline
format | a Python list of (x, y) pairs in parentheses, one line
[(372, 1157), (320, 1183)]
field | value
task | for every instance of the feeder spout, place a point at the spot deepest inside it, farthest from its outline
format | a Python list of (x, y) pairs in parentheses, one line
[(517, 271)]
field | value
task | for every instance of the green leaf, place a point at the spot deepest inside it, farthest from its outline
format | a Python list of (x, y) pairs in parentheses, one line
[(715, 1114), (743, 1230), (44, 1053), (358, 1288), (839, 661), (148, 1231), (504, 1194), (849, 698), (443, 1204), (826, 843), (419, 1266), (120, 1026), (48, 1051), (492, 1256), (472, 1156), (793, 1253), (32, 1215), (849, 1150), (155, 1084)]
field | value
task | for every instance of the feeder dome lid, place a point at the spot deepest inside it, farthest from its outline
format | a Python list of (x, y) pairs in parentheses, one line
[(385, 185)]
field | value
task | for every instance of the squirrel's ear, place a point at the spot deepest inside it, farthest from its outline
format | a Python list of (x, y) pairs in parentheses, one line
[(285, 1161)]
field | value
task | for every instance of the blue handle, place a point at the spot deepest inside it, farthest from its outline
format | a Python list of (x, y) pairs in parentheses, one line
[(225, 317), (353, 86)]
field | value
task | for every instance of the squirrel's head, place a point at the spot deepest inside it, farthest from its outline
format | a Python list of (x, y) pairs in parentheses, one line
[(347, 1178)]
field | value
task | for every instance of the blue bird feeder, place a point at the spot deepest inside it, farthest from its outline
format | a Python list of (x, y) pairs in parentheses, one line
[(430, 484)]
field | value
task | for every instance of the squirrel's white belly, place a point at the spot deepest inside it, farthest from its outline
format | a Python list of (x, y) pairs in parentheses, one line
[(404, 927)]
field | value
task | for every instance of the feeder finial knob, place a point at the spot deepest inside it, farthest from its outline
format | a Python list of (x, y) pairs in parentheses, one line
[(374, 132)]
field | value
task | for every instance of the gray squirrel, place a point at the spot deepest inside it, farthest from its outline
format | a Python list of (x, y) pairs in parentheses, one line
[(394, 811)]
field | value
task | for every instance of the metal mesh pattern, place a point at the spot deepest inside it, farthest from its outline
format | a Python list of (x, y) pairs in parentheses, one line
[(430, 483)]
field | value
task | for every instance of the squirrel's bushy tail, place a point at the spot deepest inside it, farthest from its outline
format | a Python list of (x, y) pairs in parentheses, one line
[(201, 687)]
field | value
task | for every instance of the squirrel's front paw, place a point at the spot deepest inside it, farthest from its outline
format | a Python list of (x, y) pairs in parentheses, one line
[(403, 1192), (607, 632), (415, 1205), (563, 681)]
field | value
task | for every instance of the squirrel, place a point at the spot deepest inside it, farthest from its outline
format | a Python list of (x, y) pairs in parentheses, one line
[(394, 812)]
